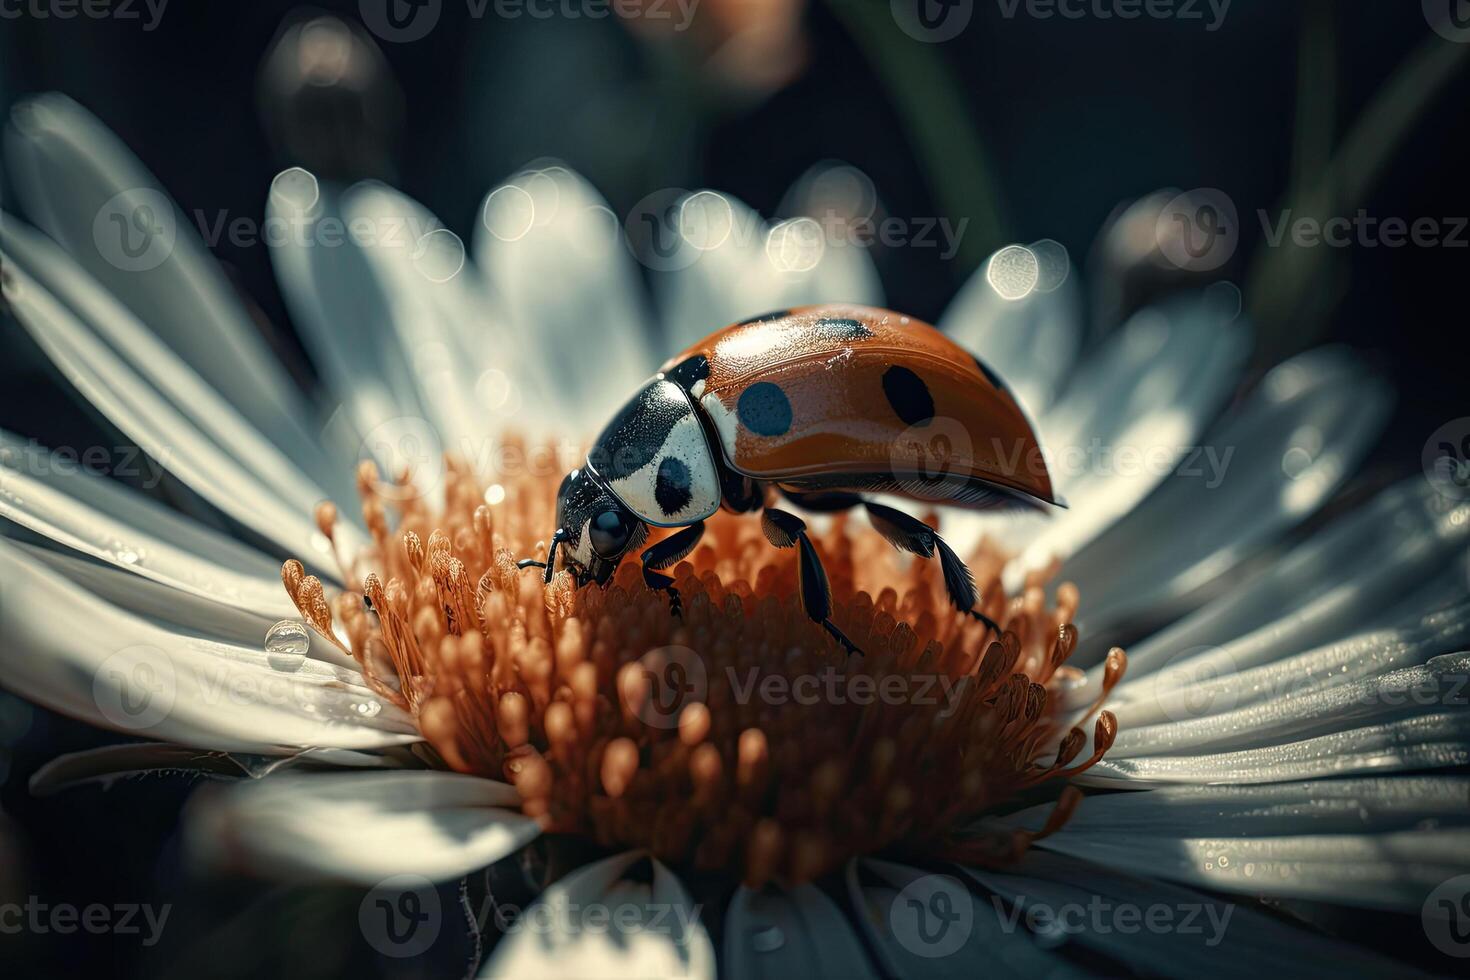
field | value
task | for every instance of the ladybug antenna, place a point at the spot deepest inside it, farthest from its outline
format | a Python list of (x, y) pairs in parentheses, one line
[(550, 563)]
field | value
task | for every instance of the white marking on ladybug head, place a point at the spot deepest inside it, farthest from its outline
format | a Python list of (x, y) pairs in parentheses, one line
[(679, 485)]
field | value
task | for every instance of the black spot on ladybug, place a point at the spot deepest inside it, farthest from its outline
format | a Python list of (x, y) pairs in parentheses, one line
[(689, 372), (671, 488), (908, 395), (765, 318), (764, 409), (991, 376), (843, 328)]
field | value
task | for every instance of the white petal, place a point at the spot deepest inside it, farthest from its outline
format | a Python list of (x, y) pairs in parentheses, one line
[(754, 269), (1328, 806), (1031, 342), (561, 269), (1216, 680), (916, 925), (1349, 574), (114, 762), (53, 496), (342, 313), (1387, 871), (198, 437), (1157, 929), (1425, 742), (596, 923), (65, 648), (1129, 415), (424, 283), (1421, 689), (110, 763), (1266, 467), (360, 827), (771, 935), (76, 179), (843, 204), (168, 606)]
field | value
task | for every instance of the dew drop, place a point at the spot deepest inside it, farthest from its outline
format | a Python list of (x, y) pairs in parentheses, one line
[(767, 939), (286, 644), (297, 188), (367, 709), (439, 255), (1013, 272)]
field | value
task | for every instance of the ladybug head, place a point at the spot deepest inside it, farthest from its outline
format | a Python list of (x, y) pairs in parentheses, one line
[(595, 528)]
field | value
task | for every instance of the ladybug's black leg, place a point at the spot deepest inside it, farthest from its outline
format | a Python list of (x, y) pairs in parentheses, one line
[(785, 530), (908, 533), (668, 552)]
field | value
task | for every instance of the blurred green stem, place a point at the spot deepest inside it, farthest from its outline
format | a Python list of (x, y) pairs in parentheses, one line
[(1316, 94), (1291, 287), (924, 92)]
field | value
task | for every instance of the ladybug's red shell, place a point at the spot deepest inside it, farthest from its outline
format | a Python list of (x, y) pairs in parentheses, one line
[(857, 398)]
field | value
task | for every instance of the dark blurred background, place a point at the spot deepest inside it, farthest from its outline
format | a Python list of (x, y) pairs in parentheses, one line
[(1034, 128)]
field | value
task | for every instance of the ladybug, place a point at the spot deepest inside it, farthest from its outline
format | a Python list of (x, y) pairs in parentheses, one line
[(820, 404)]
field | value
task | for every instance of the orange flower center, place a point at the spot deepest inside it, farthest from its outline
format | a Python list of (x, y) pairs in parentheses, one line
[(737, 735)]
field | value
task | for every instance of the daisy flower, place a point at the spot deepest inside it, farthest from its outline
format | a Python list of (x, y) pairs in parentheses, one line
[(391, 703)]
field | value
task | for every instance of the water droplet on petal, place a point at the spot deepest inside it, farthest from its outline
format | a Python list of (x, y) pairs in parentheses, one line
[(367, 709), (286, 644)]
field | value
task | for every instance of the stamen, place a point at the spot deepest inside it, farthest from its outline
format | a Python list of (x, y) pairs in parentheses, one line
[(738, 736)]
